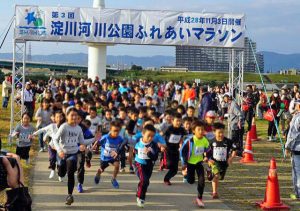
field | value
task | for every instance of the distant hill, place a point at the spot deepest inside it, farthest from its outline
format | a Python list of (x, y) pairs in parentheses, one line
[(82, 59), (273, 61)]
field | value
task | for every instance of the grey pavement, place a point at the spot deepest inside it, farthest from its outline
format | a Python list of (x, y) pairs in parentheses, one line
[(50, 194)]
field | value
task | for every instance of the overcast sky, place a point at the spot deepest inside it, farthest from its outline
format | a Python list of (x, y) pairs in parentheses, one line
[(273, 24)]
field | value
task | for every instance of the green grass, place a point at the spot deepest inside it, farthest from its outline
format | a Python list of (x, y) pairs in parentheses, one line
[(185, 76), (4, 131), (277, 78), (245, 184)]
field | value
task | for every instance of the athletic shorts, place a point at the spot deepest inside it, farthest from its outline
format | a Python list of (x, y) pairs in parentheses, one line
[(105, 164), (219, 169), (23, 152)]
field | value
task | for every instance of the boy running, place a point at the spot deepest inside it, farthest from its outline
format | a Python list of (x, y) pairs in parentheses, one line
[(221, 152), (146, 153), (111, 146), (174, 136)]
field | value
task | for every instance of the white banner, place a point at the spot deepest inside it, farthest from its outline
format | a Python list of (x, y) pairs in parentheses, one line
[(118, 26)]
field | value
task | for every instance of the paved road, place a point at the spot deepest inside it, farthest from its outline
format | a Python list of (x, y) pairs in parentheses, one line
[(51, 194)]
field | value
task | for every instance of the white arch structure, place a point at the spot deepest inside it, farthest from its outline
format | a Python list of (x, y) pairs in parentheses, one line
[(97, 55)]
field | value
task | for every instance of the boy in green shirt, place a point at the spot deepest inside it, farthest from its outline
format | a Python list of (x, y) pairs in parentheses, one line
[(193, 153)]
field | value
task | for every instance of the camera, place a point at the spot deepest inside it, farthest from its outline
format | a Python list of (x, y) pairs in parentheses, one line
[(3, 171)]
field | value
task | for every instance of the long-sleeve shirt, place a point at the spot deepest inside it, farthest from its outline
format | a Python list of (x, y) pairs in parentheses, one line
[(48, 131), (235, 115), (6, 86), (188, 94), (293, 137), (68, 137), (95, 123)]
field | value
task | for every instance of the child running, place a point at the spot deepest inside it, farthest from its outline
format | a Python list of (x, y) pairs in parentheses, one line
[(221, 153), (174, 136), (50, 131), (192, 155), (146, 153), (131, 130), (111, 146), (24, 133), (66, 141)]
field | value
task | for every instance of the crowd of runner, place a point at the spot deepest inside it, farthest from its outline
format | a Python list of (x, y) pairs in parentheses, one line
[(135, 124)]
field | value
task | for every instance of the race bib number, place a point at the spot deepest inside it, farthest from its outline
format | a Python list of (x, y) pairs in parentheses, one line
[(174, 139), (199, 151), (108, 150), (142, 155), (220, 153)]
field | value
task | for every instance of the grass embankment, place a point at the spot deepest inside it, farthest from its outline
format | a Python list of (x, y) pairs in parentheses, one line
[(4, 131), (204, 76), (246, 184)]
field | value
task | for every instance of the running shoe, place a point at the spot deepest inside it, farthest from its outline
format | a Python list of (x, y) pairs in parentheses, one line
[(294, 197), (115, 183), (97, 179), (52, 173), (140, 203), (61, 179), (79, 188), (200, 203), (69, 200)]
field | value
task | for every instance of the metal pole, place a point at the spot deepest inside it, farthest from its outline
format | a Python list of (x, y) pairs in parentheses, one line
[(23, 78), (229, 71), (12, 107), (232, 71), (242, 75)]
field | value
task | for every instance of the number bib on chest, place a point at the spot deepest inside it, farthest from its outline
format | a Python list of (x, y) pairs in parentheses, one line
[(108, 150), (142, 155), (174, 139), (220, 153), (198, 151)]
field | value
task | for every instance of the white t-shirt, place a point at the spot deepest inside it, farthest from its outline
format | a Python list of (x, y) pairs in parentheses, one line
[(95, 123)]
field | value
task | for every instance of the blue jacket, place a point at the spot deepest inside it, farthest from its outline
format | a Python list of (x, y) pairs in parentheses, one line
[(186, 150)]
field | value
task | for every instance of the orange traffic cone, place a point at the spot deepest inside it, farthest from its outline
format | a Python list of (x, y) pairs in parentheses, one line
[(272, 196), (248, 152), (253, 134)]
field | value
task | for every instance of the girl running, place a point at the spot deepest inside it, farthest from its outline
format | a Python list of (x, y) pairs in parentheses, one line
[(66, 141)]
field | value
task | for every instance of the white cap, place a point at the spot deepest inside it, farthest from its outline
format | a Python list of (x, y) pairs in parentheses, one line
[(211, 114)]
